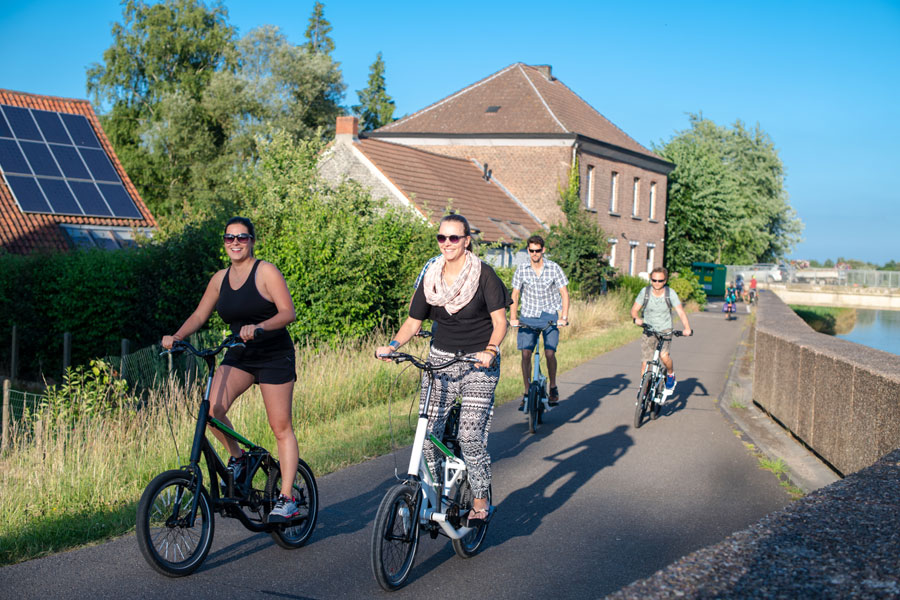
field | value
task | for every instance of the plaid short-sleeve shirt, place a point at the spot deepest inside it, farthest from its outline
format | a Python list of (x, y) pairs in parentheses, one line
[(540, 293)]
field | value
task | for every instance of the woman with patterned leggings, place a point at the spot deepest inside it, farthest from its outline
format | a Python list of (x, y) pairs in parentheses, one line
[(467, 300)]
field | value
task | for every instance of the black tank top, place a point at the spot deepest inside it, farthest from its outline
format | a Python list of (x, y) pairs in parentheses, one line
[(246, 306)]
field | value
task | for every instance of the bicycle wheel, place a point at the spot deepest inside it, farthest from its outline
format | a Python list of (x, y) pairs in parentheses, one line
[(395, 537), (534, 399), (296, 533), (470, 544), (253, 502), (656, 393), (640, 406), (168, 543)]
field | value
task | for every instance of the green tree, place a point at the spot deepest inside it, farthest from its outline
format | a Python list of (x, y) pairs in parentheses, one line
[(349, 261), (726, 200), (319, 42), (376, 107), (578, 245), (153, 78)]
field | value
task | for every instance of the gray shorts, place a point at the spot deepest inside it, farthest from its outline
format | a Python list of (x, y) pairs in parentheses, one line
[(648, 347)]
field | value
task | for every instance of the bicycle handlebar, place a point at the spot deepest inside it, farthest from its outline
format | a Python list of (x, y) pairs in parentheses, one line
[(535, 329), (232, 341), (674, 332), (399, 357)]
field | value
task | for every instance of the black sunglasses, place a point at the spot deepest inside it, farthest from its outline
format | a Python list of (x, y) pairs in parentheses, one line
[(535, 250), (243, 238), (454, 239), (658, 280)]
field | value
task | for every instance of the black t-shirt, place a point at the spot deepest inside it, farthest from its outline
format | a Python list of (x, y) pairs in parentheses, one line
[(469, 329)]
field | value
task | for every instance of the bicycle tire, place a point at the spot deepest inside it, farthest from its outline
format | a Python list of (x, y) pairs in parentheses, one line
[(470, 544), (395, 537), (296, 533), (640, 406), (534, 398), (167, 546), (655, 406)]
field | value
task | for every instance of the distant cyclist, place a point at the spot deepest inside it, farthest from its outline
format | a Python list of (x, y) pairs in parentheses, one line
[(653, 306), (544, 290)]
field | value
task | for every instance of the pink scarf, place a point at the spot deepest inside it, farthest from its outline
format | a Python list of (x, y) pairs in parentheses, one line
[(456, 296)]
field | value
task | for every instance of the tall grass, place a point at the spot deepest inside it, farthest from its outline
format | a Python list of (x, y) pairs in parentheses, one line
[(63, 485)]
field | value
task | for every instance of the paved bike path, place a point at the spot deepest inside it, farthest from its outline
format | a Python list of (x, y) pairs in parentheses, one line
[(585, 506)]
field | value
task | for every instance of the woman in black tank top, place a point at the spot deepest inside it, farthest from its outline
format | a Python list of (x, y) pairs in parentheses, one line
[(251, 295)]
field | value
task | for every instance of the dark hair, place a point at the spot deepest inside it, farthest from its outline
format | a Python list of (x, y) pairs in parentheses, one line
[(536, 239), (662, 270), (246, 223), (458, 218)]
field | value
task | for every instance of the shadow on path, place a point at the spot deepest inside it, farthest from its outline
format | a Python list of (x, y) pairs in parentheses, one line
[(523, 510), (685, 389)]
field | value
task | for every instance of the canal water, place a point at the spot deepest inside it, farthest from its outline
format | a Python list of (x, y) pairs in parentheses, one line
[(877, 329)]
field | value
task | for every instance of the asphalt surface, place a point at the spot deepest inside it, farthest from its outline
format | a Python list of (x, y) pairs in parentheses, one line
[(584, 507)]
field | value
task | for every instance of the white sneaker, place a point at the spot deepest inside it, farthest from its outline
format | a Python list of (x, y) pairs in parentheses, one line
[(285, 510)]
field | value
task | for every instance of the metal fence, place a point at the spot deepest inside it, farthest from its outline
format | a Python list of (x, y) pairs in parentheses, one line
[(789, 275)]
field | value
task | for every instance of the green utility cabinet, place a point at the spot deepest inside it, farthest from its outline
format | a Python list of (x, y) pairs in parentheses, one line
[(712, 277)]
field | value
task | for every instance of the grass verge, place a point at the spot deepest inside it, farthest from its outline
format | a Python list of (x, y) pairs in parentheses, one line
[(64, 485)]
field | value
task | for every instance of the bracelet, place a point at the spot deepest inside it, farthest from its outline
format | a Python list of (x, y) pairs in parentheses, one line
[(493, 348), (394, 344)]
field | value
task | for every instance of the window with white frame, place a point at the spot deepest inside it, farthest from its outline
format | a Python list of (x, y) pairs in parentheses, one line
[(613, 191), (612, 251), (636, 196), (651, 251), (632, 258), (652, 200), (589, 192)]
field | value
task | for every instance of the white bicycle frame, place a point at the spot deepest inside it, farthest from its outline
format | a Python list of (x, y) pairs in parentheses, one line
[(454, 469)]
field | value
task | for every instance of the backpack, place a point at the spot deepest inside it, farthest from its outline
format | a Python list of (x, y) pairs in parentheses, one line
[(647, 291)]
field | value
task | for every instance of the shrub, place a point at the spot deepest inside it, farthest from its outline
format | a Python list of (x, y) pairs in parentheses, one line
[(86, 392), (687, 286)]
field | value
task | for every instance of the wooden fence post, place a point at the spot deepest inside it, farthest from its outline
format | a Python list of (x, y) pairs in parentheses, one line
[(67, 350), (4, 442), (14, 364), (124, 354)]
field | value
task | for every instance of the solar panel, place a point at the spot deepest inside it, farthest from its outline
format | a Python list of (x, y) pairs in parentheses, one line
[(119, 200), (81, 131), (28, 194), (11, 158), (40, 159), (5, 131), (70, 162), (51, 126), (90, 199), (61, 199), (54, 163), (21, 122)]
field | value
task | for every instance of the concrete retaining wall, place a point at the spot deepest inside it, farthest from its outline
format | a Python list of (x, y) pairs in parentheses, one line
[(842, 399), (847, 297)]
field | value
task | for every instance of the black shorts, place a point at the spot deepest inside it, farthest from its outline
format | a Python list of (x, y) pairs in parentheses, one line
[(275, 370)]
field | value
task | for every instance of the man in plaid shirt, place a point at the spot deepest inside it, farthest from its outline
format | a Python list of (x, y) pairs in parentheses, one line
[(545, 298)]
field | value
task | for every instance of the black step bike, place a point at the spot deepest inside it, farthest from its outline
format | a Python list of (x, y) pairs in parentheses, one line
[(651, 394), (537, 398), (175, 520)]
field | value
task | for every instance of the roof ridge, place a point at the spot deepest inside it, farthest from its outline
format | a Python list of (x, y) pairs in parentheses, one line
[(539, 95), (450, 97), (58, 98)]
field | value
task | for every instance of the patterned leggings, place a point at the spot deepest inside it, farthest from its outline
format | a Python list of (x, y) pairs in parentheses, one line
[(475, 385)]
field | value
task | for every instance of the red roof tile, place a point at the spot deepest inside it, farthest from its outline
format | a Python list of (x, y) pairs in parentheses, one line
[(430, 180), (526, 101), (22, 233)]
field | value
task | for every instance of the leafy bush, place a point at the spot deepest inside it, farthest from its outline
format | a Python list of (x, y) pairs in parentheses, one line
[(86, 392), (101, 297), (687, 286), (629, 285)]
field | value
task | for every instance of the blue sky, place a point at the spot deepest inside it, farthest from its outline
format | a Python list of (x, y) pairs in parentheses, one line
[(822, 78)]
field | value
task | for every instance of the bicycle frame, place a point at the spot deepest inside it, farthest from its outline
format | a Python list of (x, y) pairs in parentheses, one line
[(215, 466), (430, 507)]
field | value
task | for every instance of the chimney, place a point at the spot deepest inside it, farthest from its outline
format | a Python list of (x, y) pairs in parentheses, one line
[(347, 130), (545, 70)]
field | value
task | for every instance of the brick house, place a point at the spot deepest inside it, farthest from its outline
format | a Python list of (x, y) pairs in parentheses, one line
[(427, 183), (528, 128), (62, 185)]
